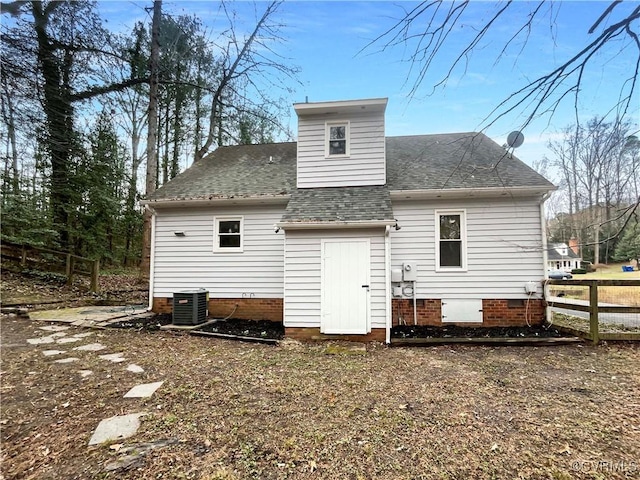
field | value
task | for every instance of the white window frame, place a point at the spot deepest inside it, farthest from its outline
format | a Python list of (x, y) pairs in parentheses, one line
[(463, 240), (216, 234), (347, 137)]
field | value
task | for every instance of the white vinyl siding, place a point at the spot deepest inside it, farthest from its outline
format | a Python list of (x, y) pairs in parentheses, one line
[(363, 165), (504, 247), (183, 263), (303, 275)]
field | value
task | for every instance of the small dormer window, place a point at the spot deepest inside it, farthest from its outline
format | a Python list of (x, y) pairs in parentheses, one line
[(337, 136)]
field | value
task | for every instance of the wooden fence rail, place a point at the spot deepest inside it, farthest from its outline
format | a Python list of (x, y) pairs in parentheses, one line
[(53, 261), (594, 308)]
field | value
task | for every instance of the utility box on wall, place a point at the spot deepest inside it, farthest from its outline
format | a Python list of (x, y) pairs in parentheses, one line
[(190, 307), (409, 272)]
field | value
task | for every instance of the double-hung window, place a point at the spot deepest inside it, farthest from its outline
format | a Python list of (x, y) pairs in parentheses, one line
[(227, 232), (337, 139), (451, 241)]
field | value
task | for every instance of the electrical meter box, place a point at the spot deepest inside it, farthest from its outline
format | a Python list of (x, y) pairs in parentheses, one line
[(409, 272)]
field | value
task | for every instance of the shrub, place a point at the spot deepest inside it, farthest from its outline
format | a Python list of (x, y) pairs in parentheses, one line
[(579, 271)]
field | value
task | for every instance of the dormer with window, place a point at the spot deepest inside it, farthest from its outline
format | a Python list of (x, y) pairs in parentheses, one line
[(341, 144)]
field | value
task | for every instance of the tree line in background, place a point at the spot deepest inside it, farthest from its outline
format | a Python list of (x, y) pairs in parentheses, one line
[(74, 105), (75, 98), (599, 167)]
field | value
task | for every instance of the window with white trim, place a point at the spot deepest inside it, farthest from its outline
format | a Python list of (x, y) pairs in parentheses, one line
[(227, 233), (451, 241), (337, 139)]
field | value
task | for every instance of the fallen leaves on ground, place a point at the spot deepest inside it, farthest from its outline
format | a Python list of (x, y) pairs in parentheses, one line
[(297, 411)]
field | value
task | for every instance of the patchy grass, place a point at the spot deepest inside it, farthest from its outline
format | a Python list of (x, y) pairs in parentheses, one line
[(611, 271), (582, 324), (243, 411)]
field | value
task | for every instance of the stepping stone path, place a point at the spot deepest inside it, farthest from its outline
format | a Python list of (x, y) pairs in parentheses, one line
[(110, 429), (113, 357), (67, 360), (143, 391), (49, 353), (92, 347), (114, 428)]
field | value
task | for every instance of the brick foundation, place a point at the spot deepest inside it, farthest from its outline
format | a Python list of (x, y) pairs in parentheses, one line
[(313, 334), (248, 308), (512, 313), (495, 313), (428, 311)]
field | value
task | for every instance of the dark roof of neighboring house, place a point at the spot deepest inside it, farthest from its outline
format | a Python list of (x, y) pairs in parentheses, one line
[(339, 204), (418, 162), (554, 254)]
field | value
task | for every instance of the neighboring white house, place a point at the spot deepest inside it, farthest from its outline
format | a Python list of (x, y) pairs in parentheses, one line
[(348, 232), (561, 256)]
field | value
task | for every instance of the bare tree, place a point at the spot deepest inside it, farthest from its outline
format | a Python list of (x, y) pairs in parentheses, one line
[(241, 63), (431, 32), (596, 162)]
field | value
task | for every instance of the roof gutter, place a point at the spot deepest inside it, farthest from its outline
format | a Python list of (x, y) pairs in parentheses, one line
[(450, 193), (216, 201), (326, 225)]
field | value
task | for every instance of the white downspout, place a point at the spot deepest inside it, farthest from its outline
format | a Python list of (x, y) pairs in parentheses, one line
[(387, 280), (152, 256), (543, 229)]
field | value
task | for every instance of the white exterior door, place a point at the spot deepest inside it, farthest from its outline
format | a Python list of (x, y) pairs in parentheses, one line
[(345, 286)]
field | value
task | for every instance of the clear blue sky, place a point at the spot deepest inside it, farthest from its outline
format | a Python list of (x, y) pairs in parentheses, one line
[(325, 40)]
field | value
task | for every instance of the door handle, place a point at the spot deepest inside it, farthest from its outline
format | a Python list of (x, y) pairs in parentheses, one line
[(366, 286)]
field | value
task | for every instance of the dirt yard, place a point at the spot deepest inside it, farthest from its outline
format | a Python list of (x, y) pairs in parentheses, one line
[(232, 410)]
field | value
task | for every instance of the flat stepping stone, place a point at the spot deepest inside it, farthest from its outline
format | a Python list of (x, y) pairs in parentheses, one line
[(40, 340), (143, 391), (115, 428), (68, 340), (67, 360), (82, 335), (85, 373), (113, 357), (91, 347), (135, 368), (50, 353), (54, 328)]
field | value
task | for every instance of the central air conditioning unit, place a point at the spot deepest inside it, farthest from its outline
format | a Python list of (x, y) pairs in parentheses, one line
[(190, 307)]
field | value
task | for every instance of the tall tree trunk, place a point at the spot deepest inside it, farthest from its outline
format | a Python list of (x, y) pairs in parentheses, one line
[(152, 133), (59, 120), (12, 149)]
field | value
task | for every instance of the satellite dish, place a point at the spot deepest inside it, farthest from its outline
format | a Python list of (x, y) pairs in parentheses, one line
[(515, 139)]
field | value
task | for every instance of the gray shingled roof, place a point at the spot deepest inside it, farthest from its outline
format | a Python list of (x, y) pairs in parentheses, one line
[(420, 162), (553, 254), (339, 204), (455, 160), (236, 171)]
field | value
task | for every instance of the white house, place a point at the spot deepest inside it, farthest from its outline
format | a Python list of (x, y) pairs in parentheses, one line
[(348, 232), (561, 256)]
